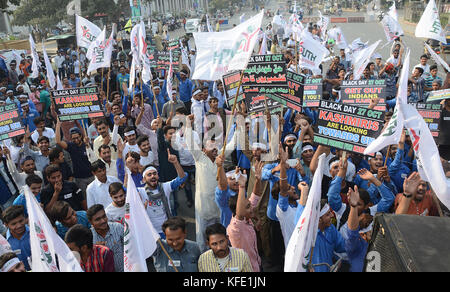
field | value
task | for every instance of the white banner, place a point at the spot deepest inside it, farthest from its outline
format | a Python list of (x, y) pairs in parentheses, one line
[(48, 67), (392, 28), (169, 78), (221, 52), (363, 59), (139, 234), (393, 12), (336, 34), (134, 40), (393, 132), (101, 53), (45, 242), (302, 239), (312, 52), (429, 162), (429, 26), (87, 32), (36, 63), (437, 58)]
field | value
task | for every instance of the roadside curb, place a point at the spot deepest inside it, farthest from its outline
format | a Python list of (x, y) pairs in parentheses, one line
[(408, 27)]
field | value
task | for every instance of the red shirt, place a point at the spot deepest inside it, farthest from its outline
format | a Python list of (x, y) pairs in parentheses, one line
[(100, 260)]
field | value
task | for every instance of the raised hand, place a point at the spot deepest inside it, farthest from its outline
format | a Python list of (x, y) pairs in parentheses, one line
[(220, 160), (411, 183), (120, 146), (365, 174), (284, 156), (258, 169), (303, 187), (353, 197), (171, 158), (241, 179)]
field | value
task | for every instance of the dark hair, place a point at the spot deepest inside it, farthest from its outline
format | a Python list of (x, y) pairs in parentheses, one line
[(333, 160), (174, 223), (364, 195), (33, 179), (276, 190), (424, 56), (94, 209), (420, 70), (43, 138), (181, 111), (38, 120), (101, 122), (136, 156), (6, 257), (213, 98), (141, 140), (168, 128), (114, 188), (98, 165), (116, 104), (54, 154), (103, 147), (59, 211), (434, 66), (129, 128), (51, 169), (232, 203), (215, 229), (80, 236), (12, 213)]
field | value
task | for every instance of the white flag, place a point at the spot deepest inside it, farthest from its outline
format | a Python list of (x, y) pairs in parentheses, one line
[(134, 40), (87, 32), (336, 34), (393, 132), (312, 52), (208, 24), (45, 242), (437, 58), (59, 85), (393, 12), (36, 63), (302, 239), (139, 234), (5, 247), (142, 42), (392, 28), (184, 56), (132, 74), (263, 49), (427, 154), (221, 52), (48, 66), (169, 78), (74, 7), (323, 23), (363, 59), (429, 26), (101, 53)]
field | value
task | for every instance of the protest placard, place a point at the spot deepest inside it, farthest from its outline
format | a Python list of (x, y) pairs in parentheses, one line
[(160, 60), (230, 85), (431, 114), (347, 127), (266, 74), (312, 92), (439, 95), (360, 92), (77, 103), (256, 104), (10, 122)]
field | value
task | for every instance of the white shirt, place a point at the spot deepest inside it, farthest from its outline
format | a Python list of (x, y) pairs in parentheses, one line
[(155, 210), (426, 69), (114, 213), (48, 132), (393, 61), (287, 223), (130, 148), (198, 110), (20, 177), (98, 193), (146, 160), (205, 181)]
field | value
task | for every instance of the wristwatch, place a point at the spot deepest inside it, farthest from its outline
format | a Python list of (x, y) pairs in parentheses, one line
[(407, 195)]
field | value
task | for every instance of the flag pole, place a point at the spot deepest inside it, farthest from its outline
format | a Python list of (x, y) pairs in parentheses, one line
[(387, 155), (79, 63), (296, 54), (167, 254), (154, 96), (107, 83)]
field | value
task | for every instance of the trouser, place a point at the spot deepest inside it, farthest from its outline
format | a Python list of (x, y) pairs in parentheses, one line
[(200, 227), (276, 244), (187, 105), (61, 73), (82, 183), (190, 169)]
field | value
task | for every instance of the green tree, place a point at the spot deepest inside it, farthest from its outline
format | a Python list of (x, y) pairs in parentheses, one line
[(4, 4)]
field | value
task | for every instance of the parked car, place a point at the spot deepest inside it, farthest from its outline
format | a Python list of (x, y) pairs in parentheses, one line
[(192, 25)]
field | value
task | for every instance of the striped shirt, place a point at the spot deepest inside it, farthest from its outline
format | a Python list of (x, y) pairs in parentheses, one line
[(114, 241), (238, 261), (101, 259)]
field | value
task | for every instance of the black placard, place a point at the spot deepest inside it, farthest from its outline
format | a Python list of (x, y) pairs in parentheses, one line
[(431, 113), (347, 127), (312, 92), (10, 122), (77, 103), (360, 92)]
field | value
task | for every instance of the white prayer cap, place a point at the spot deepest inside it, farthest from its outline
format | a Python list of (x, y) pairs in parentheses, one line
[(324, 210), (259, 146), (377, 56)]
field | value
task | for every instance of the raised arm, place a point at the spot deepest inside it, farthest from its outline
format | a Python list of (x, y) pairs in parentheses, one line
[(242, 202), (223, 184), (409, 188), (257, 189), (60, 142), (315, 160)]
